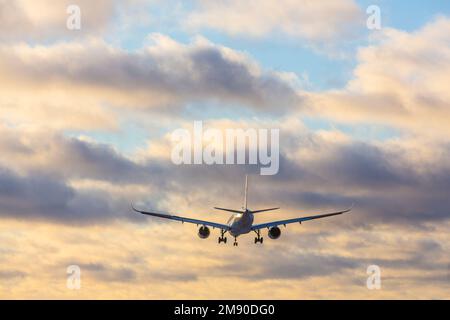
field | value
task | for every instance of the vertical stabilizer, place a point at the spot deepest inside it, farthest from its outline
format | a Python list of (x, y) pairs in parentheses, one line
[(246, 192)]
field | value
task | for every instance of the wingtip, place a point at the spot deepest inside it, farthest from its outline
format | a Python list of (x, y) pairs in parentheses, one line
[(132, 207), (351, 207)]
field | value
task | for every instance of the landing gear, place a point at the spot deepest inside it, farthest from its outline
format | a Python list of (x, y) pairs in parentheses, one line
[(235, 242), (222, 238), (258, 238)]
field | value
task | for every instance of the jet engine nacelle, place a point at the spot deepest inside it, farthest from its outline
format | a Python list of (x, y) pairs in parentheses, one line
[(274, 233), (203, 232)]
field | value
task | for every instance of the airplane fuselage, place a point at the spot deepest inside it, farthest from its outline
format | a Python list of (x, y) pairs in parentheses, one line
[(241, 223)]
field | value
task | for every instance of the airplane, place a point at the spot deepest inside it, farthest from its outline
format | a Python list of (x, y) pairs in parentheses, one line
[(241, 222)]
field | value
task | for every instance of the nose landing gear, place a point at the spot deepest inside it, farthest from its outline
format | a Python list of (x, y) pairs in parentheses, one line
[(235, 242)]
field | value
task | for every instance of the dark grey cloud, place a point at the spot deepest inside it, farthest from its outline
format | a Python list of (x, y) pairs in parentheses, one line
[(425, 254), (384, 184), (220, 76), (304, 265), (158, 76), (98, 161), (174, 276), (105, 273), (37, 196), (369, 166), (73, 158), (135, 272), (12, 274)]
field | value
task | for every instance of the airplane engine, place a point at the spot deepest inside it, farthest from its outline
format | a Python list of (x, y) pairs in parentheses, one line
[(203, 232), (274, 233)]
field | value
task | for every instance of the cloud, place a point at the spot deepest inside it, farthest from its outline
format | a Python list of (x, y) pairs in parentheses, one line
[(164, 74), (36, 196), (50, 153), (313, 21), (287, 266), (66, 199), (411, 97), (387, 181), (108, 274), (67, 179), (125, 261), (396, 181), (44, 19), (11, 274)]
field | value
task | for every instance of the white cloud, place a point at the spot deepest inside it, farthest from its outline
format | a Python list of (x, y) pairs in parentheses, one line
[(43, 19), (400, 80), (314, 21)]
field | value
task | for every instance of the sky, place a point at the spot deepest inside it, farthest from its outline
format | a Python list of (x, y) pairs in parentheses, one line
[(86, 118)]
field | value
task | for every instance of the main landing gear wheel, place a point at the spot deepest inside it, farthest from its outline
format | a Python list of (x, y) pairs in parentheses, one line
[(258, 237), (260, 240), (222, 239)]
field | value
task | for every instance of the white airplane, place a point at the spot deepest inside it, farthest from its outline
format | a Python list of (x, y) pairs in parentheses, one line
[(241, 222)]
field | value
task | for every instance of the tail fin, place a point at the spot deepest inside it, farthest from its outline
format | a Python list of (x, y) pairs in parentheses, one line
[(245, 194)]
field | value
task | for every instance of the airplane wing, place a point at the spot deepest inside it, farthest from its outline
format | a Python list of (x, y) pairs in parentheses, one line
[(183, 219), (300, 220)]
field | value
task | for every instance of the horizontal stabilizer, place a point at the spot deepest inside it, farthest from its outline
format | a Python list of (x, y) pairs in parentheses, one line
[(263, 210), (229, 210)]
